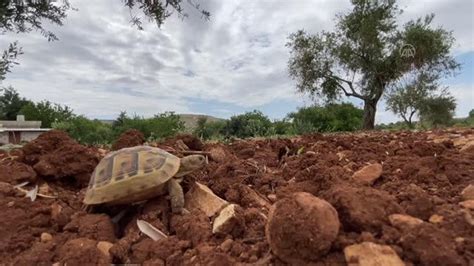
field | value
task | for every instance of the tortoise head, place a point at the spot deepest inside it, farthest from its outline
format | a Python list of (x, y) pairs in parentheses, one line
[(190, 163)]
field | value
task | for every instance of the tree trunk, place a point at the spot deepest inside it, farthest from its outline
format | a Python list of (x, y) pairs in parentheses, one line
[(370, 107)]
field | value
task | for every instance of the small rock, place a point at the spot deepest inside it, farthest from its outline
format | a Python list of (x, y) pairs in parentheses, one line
[(371, 254), (181, 145), (368, 174), (46, 237), (10, 204), (55, 210), (45, 189), (468, 147), (468, 193), (102, 152), (227, 219), (104, 247), (253, 198), (201, 197), (436, 219), (313, 223), (468, 204), (459, 239), (217, 154), (272, 197), (402, 221), (226, 245)]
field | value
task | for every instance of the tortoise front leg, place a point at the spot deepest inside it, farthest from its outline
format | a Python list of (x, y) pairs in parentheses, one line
[(177, 196)]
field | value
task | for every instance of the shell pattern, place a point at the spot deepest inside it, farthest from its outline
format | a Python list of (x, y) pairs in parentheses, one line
[(130, 171)]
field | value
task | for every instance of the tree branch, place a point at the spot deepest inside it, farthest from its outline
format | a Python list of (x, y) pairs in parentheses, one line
[(351, 87)]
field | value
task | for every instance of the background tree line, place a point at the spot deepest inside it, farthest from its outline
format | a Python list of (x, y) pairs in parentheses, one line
[(434, 111)]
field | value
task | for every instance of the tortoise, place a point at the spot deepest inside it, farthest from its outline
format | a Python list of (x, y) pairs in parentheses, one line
[(139, 173)]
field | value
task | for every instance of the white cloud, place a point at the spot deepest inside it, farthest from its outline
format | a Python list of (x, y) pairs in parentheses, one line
[(103, 65)]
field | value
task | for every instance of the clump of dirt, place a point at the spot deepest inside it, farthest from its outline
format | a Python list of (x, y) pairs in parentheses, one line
[(362, 208), (82, 251), (195, 227), (74, 161), (129, 138), (92, 226), (56, 155), (46, 143), (15, 172), (428, 245), (192, 142), (423, 176), (293, 236)]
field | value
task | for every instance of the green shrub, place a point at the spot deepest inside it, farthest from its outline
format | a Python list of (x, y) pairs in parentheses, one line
[(329, 118), (250, 124), (283, 127), (46, 112), (438, 110), (209, 130), (86, 131), (160, 126)]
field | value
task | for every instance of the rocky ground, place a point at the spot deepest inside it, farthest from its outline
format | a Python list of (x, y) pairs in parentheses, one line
[(386, 198)]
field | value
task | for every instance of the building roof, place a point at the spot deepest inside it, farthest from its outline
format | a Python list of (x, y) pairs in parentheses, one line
[(8, 129), (20, 123)]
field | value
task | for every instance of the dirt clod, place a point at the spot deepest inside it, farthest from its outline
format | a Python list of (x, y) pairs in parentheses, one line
[(301, 227), (129, 138), (82, 251)]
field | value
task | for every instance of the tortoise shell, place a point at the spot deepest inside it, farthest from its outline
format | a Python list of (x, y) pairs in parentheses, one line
[(130, 175)]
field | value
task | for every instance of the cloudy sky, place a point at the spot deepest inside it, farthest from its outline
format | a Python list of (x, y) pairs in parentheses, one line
[(233, 63)]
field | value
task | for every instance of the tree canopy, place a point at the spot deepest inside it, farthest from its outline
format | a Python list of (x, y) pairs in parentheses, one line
[(407, 96), (46, 112), (11, 103), (367, 53)]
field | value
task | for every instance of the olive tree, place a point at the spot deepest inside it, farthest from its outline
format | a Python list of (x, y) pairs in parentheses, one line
[(366, 53), (406, 97)]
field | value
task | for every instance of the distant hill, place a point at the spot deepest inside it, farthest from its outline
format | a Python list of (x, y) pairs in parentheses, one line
[(190, 120)]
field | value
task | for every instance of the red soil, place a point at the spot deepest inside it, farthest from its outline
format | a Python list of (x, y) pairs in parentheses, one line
[(423, 174)]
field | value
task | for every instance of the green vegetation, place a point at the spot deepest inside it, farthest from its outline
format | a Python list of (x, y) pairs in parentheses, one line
[(11, 103), (86, 131), (435, 111), (250, 124), (330, 118), (209, 129), (46, 112), (367, 53), (160, 126)]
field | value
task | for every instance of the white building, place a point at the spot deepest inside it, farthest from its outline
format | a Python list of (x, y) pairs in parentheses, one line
[(15, 132)]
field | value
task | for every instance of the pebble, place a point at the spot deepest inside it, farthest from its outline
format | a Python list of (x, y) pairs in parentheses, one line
[(371, 254), (10, 204), (435, 219), (226, 245), (104, 247), (46, 237), (368, 174), (272, 197), (468, 204), (402, 221), (468, 193)]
